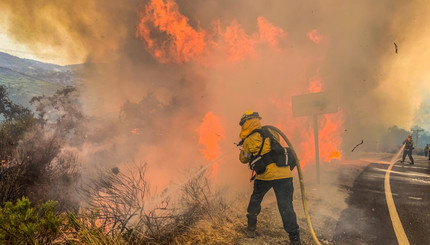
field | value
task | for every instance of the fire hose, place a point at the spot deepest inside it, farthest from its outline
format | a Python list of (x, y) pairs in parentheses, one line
[(299, 171), (302, 185)]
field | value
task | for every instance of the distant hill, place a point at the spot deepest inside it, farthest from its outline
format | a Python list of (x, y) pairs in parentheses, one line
[(26, 78)]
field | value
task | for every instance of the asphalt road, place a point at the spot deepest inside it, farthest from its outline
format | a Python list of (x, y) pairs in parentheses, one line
[(367, 219)]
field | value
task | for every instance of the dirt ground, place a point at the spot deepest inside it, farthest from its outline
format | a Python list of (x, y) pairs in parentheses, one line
[(325, 201)]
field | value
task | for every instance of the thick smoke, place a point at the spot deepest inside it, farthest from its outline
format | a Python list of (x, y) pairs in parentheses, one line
[(348, 46)]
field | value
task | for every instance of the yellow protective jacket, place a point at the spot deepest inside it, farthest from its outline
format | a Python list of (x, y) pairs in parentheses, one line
[(251, 147)]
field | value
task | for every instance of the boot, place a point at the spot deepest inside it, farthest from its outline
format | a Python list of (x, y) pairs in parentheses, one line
[(251, 231), (295, 238)]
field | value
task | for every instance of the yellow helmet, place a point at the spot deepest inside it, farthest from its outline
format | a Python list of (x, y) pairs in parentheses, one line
[(248, 115)]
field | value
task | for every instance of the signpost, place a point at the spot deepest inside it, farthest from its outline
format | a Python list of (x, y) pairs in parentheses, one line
[(314, 104)]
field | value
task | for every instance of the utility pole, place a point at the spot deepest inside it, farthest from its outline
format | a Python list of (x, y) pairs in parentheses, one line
[(417, 132)]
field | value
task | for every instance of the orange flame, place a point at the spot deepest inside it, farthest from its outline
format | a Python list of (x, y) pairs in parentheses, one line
[(301, 129), (334, 155), (269, 33), (179, 42), (329, 127), (135, 131), (211, 132), (315, 85), (314, 36), (330, 136), (239, 44), (329, 139), (169, 37)]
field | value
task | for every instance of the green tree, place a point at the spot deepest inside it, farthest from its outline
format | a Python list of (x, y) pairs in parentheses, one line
[(61, 109), (9, 110), (22, 224), (16, 120)]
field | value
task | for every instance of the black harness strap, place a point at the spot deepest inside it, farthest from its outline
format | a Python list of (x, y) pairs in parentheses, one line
[(255, 159), (277, 154)]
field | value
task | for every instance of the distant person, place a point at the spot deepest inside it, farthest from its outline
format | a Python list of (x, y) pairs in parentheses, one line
[(426, 151), (409, 146), (257, 149)]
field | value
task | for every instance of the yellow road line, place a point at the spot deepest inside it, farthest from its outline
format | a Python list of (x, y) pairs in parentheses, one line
[(397, 224)]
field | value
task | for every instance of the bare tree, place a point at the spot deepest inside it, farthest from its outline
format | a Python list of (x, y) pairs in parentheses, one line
[(117, 198)]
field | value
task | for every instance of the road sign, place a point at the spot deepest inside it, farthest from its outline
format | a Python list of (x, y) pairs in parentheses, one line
[(314, 104)]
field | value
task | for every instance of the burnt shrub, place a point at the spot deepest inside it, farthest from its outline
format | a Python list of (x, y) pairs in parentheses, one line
[(116, 197), (34, 162), (199, 215)]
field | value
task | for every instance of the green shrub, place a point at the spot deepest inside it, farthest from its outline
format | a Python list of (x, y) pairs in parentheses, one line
[(22, 224)]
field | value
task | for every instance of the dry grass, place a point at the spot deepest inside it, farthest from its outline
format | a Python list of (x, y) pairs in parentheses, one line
[(219, 229), (201, 216)]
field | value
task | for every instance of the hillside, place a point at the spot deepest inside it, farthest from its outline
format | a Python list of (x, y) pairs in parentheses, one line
[(26, 78)]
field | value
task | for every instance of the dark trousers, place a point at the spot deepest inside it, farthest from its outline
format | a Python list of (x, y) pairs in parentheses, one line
[(284, 196), (409, 153)]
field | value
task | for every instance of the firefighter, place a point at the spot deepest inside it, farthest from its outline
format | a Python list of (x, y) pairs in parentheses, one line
[(409, 146), (278, 178), (426, 151)]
